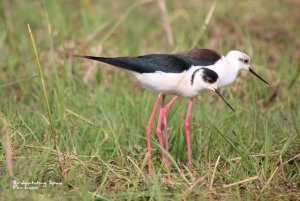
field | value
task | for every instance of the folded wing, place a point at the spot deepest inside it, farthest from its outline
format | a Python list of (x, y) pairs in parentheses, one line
[(169, 63)]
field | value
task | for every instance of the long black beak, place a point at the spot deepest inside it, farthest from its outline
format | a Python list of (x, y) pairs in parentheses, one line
[(254, 73), (218, 92)]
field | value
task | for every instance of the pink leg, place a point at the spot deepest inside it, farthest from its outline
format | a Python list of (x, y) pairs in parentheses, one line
[(187, 132), (165, 110), (158, 130), (148, 132)]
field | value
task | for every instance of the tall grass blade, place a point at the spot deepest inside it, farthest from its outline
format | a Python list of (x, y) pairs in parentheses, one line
[(41, 75)]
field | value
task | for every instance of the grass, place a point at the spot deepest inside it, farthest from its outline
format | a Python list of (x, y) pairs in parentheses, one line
[(81, 124)]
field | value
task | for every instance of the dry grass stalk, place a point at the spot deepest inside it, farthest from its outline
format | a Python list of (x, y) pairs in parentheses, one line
[(269, 180), (166, 22), (7, 146), (282, 169), (214, 173), (291, 159), (240, 182)]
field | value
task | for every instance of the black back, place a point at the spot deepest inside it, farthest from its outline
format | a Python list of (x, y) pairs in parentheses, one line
[(201, 57)]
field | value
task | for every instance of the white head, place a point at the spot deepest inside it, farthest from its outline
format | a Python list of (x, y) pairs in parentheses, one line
[(241, 61), (204, 78), (238, 60), (207, 79)]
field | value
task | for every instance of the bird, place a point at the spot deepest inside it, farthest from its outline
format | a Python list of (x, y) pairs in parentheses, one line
[(181, 74)]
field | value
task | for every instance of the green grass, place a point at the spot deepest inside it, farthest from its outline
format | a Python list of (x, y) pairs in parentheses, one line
[(98, 121)]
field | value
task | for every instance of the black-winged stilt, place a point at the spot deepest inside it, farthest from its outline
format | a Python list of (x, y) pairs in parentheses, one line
[(183, 74)]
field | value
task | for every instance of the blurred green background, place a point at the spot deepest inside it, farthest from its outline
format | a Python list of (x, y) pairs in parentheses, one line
[(94, 140)]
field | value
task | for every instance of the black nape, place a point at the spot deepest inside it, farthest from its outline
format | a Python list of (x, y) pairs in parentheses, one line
[(209, 76)]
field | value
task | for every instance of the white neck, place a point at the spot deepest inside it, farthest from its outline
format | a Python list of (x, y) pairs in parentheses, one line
[(226, 71)]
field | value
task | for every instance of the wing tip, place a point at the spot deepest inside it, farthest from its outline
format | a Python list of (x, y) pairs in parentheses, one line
[(80, 56)]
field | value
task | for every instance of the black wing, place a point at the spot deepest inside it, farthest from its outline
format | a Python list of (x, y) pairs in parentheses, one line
[(201, 57), (148, 63)]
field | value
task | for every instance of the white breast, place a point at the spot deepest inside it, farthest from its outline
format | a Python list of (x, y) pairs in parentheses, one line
[(169, 83)]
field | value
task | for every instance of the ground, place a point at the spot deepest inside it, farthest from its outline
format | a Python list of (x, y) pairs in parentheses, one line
[(76, 129)]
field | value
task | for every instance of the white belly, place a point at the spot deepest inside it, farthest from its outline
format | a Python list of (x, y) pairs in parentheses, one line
[(168, 83)]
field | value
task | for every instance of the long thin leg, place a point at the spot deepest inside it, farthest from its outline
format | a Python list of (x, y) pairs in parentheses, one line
[(148, 132), (158, 130), (187, 132), (165, 110)]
